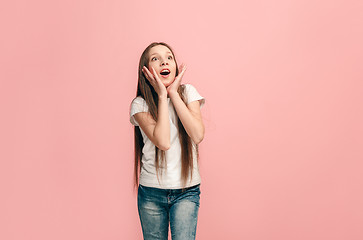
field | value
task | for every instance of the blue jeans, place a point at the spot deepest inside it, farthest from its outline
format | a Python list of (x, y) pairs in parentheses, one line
[(158, 206)]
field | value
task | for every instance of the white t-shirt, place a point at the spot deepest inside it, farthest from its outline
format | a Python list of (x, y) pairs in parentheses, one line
[(171, 179)]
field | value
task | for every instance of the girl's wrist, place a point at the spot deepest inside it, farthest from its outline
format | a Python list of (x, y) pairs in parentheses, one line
[(163, 96), (173, 94)]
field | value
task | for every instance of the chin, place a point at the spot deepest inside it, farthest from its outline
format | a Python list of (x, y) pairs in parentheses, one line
[(167, 82)]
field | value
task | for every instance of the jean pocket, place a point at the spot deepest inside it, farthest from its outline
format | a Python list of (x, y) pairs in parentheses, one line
[(195, 189), (192, 195)]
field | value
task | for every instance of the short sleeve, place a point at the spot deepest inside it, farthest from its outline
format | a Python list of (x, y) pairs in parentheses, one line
[(193, 95), (137, 105)]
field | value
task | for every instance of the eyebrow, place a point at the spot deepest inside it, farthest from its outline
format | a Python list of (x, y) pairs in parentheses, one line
[(157, 53)]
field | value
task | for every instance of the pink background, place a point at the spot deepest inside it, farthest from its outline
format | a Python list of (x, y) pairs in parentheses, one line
[(283, 82)]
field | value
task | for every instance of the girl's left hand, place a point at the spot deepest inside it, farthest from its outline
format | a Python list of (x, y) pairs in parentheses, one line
[(173, 87)]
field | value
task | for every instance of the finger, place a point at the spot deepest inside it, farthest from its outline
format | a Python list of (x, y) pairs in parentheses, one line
[(156, 76), (154, 72), (181, 74), (182, 69), (150, 79), (145, 72), (182, 66), (148, 74)]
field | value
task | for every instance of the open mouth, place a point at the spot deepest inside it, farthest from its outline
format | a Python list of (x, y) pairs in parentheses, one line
[(165, 72)]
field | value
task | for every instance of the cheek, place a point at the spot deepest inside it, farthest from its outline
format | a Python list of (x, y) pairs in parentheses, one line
[(150, 68)]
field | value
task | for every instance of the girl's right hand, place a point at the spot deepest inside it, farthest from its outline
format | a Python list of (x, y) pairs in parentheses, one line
[(155, 81)]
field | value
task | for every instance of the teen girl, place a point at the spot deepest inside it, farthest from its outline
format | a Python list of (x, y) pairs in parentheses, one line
[(168, 128)]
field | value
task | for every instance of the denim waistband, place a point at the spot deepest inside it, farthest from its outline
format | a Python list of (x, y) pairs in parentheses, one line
[(169, 191)]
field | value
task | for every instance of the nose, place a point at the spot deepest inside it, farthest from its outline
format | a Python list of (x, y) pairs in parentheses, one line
[(164, 63)]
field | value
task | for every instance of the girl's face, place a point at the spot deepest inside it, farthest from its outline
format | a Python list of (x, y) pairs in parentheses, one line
[(161, 59)]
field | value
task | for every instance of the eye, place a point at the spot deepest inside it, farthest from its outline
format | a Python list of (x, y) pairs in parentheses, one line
[(153, 58), (170, 57)]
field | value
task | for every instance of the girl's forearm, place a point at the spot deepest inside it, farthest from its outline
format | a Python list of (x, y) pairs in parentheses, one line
[(192, 124), (162, 127)]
